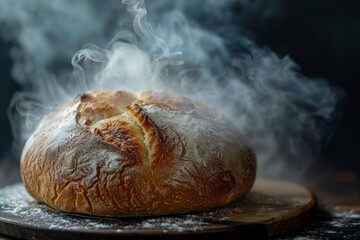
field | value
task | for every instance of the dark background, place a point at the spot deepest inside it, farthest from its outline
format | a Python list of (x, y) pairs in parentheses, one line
[(322, 36)]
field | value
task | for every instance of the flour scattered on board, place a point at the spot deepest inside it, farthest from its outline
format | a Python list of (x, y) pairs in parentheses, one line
[(15, 201), (16, 205)]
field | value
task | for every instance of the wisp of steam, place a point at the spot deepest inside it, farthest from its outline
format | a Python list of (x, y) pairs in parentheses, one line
[(286, 116)]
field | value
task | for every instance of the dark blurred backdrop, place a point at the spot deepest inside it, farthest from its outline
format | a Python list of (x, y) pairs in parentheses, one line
[(322, 36)]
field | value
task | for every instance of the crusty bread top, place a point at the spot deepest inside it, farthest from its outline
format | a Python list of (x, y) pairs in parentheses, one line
[(110, 153)]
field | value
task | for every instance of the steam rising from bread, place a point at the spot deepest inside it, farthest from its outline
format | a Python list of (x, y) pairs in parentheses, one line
[(286, 116)]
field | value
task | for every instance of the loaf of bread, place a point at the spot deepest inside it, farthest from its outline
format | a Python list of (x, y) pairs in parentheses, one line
[(109, 153)]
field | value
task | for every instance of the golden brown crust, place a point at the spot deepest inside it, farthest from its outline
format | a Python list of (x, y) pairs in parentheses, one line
[(108, 153)]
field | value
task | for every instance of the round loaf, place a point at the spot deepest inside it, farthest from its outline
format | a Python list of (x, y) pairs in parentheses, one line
[(109, 153)]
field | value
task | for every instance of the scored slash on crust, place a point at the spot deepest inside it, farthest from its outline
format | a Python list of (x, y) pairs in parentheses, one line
[(152, 138), (128, 127)]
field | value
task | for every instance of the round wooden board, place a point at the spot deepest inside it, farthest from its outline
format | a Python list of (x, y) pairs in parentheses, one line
[(272, 207)]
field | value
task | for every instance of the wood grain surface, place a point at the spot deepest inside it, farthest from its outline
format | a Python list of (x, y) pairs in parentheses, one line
[(271, 208)]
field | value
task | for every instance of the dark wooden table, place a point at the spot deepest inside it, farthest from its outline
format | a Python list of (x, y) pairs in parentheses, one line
[(337, 190), (338, 216)]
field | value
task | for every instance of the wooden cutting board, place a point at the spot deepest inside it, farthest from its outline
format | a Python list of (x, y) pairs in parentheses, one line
[(272, 207)]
